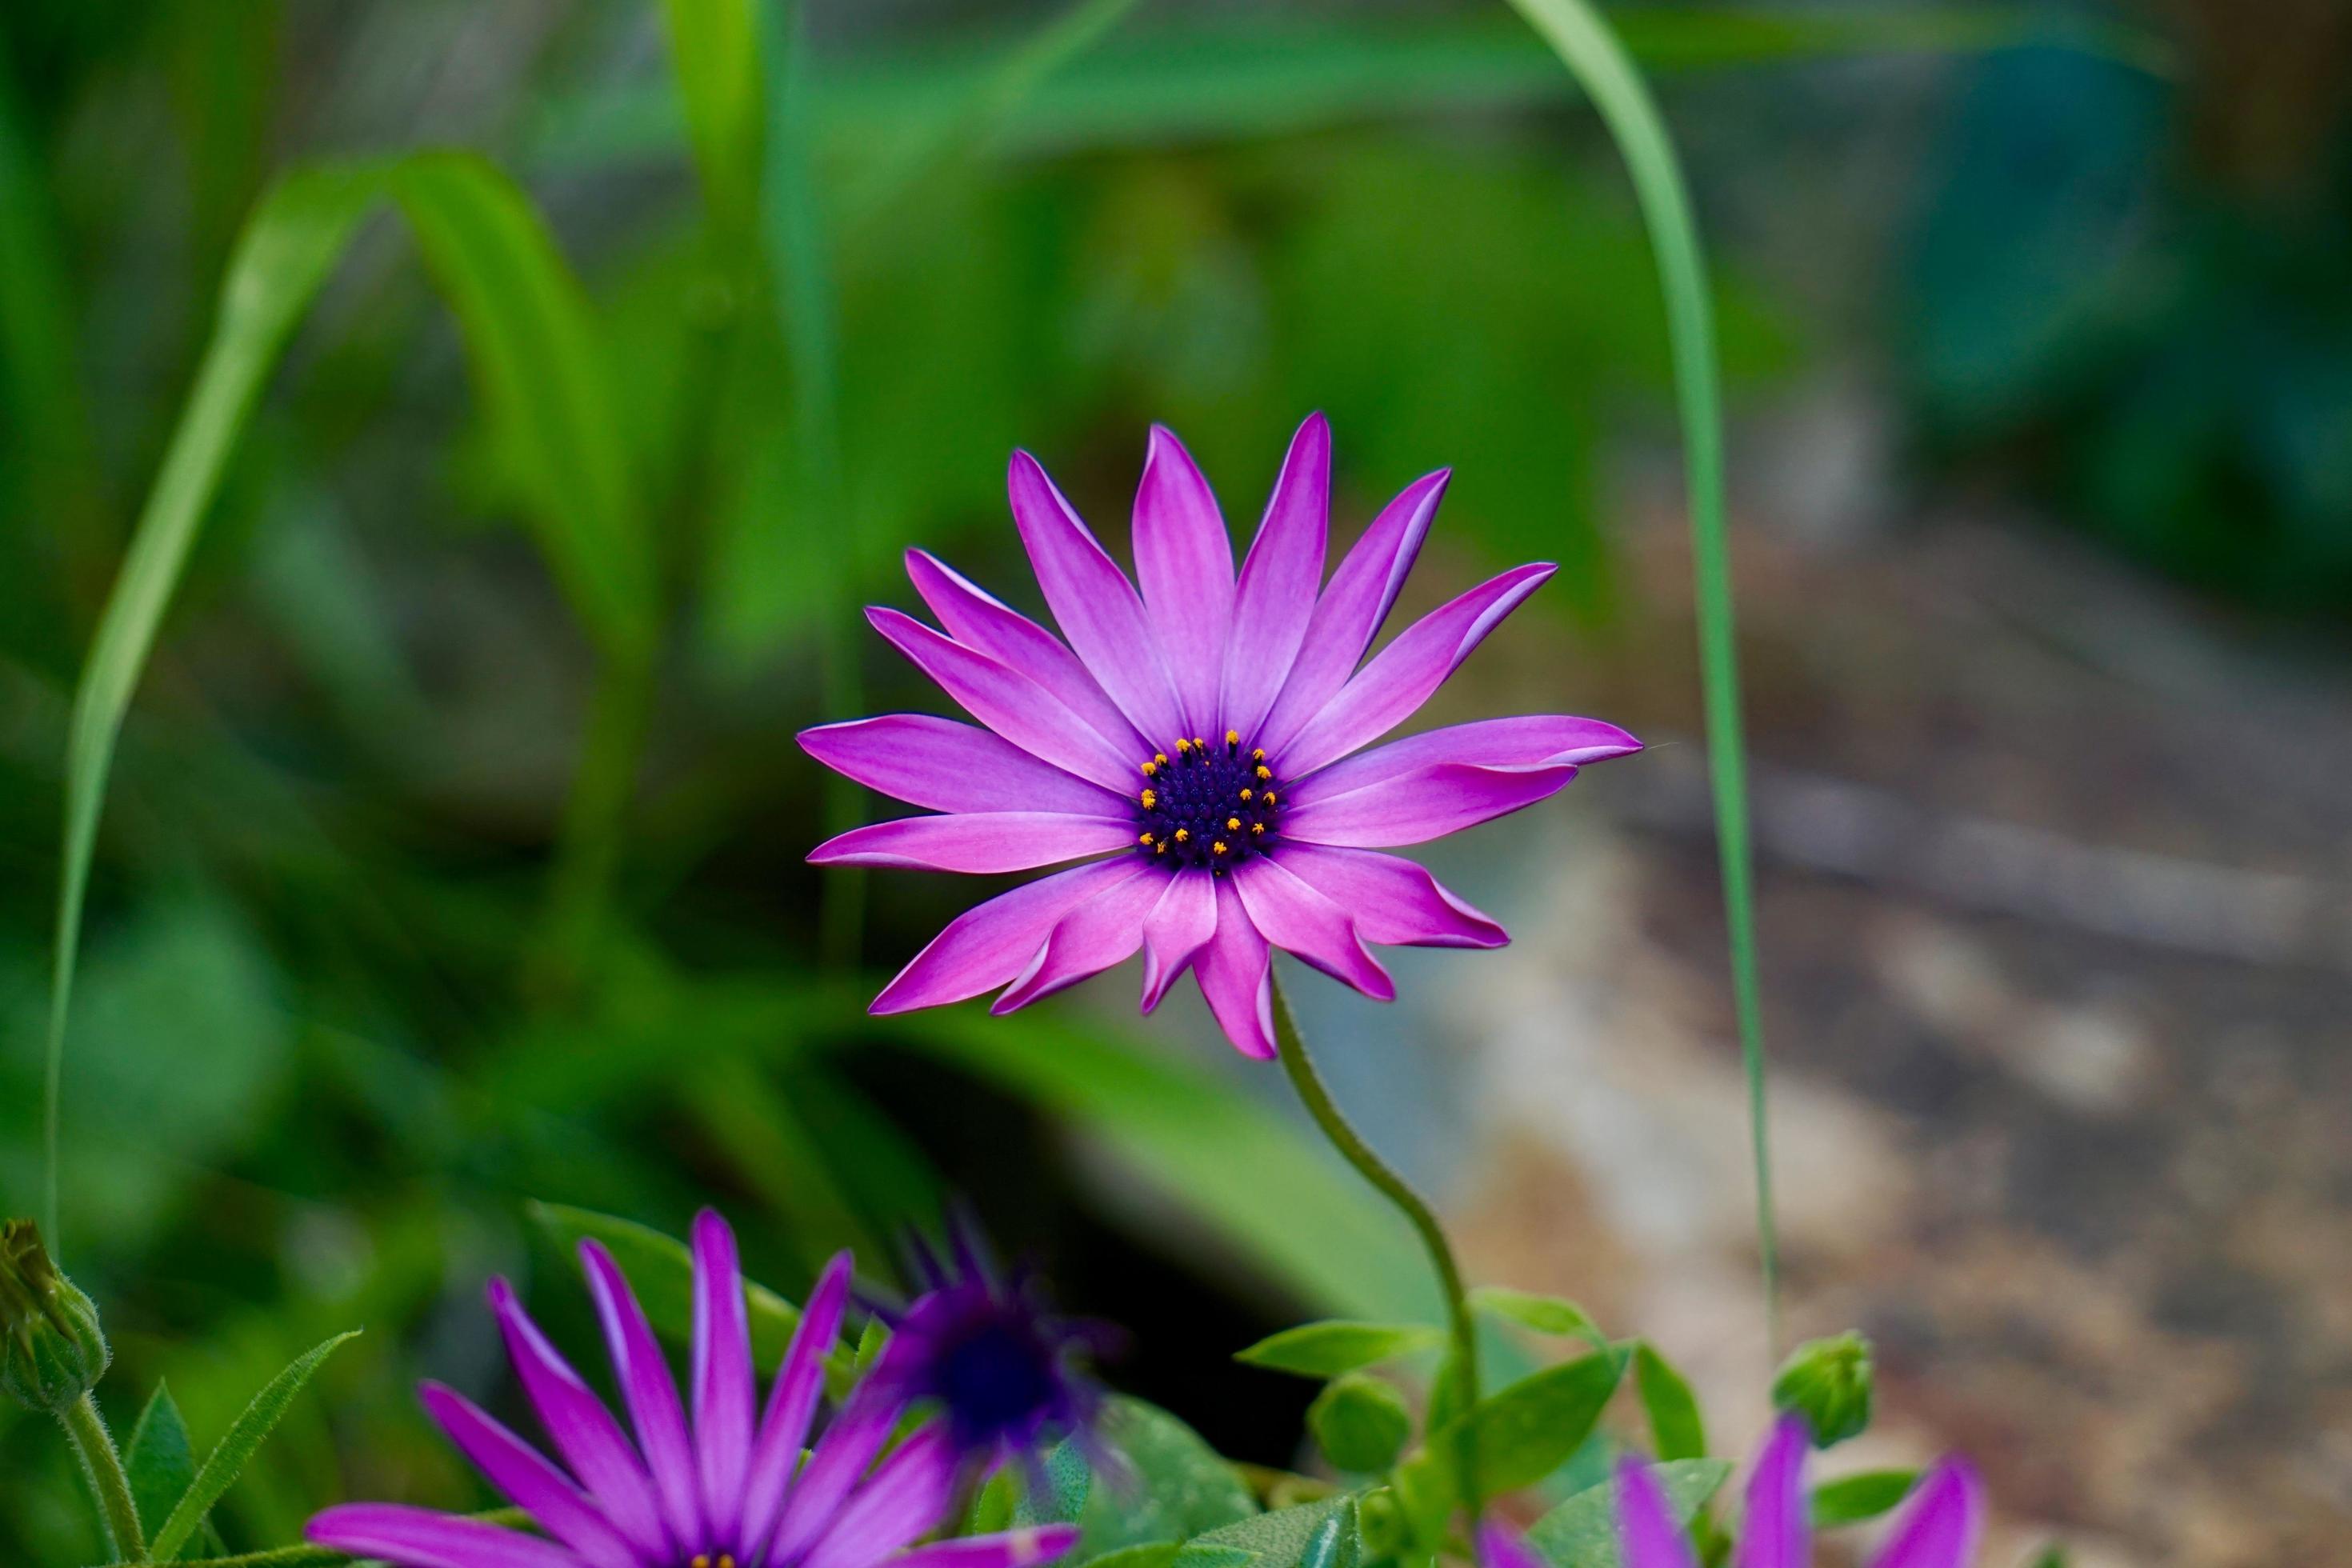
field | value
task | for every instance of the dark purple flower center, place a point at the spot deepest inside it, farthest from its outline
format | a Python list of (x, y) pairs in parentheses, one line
[(1207, 804), (998, 1380)]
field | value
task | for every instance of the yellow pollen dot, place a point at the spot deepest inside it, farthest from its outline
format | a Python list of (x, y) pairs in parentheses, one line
[(1151, 799), (1233, 737), (1144, 839), (1233, 824), (1269, 797), (1182, 747), (1159, 757), (726, 1560), (1263, 771), (1246, 794), (1257, 828), (1258, 756), (1218, 848), (1200, 743), (1183, 835), (701, 1560), (1149, 769), (1160, 849)]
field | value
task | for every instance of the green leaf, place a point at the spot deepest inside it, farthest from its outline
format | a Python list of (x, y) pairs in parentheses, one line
[(1329, 1349), (1675, 1425), (1361, 1423), (1597, 60), (1281, 1539), (1851, 1500), (246, 1435), (714, 49), (1582, 1531), (1425, 1488), (1182, 1488), (1524, 1431), (1151, 1554), (1544, 1314), (160, 1459), (1337, 1541)]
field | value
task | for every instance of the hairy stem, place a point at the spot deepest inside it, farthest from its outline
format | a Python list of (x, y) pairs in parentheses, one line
[(102, 1468), (1462, 1362)]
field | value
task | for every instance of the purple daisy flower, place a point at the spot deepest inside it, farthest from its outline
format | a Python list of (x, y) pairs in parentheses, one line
[(723, 1491), (987, 1348), (1198, 745), (1938, 1529)]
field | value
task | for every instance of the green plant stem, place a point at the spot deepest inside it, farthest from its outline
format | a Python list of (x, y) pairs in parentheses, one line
[(93, 1445), (1597, 59), (588, 845), (1463, 1360)]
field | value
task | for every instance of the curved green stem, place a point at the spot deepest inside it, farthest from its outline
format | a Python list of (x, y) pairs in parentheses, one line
[(102, 1466), (1462, 1362)]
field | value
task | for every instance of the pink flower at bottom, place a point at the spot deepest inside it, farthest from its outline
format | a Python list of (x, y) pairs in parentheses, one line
[(1198, 745)]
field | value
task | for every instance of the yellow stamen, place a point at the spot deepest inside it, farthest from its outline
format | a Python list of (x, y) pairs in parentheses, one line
[(1151, 768), (1246, 794), (701, 1560), (1183, 835), (1182, 747), (1269, 797), (1145, 840), (1218, 848), (1258, 756), (1160, 849), (1151, 798), (1263, 771), (1200, 743), (1233, 737), (1257, 828), (1233, 824), (1159, 757)]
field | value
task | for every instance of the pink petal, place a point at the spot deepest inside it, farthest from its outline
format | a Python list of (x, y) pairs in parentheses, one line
[(581, 1429), (1008, 703), (418, 1538), (1941, 1524), (1500, 1546), (1525, 741), (537, 1487), (1776, 1532), (1285, 567), (1393, 901), (1234, 971), (980, 620), (943, 765), (1184, 559), (791, 1404), (1179, 925), (1403, 675), (726, 1389), (1428, 804), (1093, 603), (1652, 1539), (1012, 1548), (1104, 930), (976, 841), (649, 1392), (1348, 615), (836, 1462), (906, 1495), (1296, 918), (989, 944)]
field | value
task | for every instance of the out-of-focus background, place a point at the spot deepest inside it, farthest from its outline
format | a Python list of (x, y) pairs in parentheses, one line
[(2040, 338)]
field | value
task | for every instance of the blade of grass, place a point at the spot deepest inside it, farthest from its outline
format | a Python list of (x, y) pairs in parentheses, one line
[(793, 241), (246, 1434), (293, 240), (715, 52), (1599, 61), (537, 366)]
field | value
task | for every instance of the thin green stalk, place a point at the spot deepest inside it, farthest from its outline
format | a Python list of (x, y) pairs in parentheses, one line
[(588, 846), (791, 231), (93, 1445), (1599, 61), (1462, 1359)]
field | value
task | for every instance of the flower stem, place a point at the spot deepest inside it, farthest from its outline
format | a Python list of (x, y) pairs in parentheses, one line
[(1462, 1362), (102, 1468)]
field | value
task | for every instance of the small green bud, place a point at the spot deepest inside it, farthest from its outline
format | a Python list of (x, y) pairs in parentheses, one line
[(51, 1351), (1361, 1423), (1382, 1523), (1828, 1381)]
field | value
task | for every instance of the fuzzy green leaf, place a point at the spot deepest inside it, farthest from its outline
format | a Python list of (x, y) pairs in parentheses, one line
[(1854, 1498), (246, 1435), (160, 1459), (1582, 1531), (1361, 1423), (1675, 1425), (1523, 1432), (1281, 1539), (1329, 1349)]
